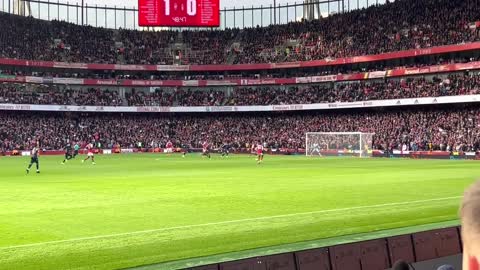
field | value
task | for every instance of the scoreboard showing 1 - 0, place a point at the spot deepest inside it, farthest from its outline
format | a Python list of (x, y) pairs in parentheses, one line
[(179, 13)]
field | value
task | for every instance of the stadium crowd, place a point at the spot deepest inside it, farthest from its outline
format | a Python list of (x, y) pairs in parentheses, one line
[(392, 27), (414, 129), (399, 25), (254, 74), (52, 95), (267, 95), (363, 91)]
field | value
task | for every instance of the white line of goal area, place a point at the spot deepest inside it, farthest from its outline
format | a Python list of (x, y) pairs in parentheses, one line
[(229, 222)]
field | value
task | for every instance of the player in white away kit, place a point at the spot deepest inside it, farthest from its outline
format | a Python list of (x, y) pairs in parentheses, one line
[(259, 153), (34, 158), (316, 149), (90, 153), (169, 147)]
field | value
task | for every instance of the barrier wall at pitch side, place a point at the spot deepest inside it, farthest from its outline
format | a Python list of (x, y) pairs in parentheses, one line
[(377, 254)]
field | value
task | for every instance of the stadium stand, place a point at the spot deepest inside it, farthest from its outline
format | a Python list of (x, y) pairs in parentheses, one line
[(417, 24), (410, 87), (41, 94), (418, 129), (376, 33), (424, 63)]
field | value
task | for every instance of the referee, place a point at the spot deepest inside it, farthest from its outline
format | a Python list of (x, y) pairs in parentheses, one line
[(76, 147)]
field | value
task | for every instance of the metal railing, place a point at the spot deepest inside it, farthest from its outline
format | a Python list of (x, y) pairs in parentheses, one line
[(116, 17)]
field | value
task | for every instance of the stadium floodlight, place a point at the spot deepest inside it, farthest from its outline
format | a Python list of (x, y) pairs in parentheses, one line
[(339, 143)]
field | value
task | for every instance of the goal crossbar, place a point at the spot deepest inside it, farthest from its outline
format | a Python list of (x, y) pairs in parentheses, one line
[(340, 133)]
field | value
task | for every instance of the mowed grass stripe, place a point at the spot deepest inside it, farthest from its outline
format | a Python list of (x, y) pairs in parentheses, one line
[(243, 221), (203, 207)]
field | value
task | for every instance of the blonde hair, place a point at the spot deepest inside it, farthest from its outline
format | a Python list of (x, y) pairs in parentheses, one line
[(470, 213)]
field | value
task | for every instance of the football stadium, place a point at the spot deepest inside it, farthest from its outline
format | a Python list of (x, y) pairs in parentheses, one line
[(240, 135)]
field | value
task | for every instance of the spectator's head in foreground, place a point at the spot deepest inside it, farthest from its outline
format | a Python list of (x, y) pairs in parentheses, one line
[(401, 265), (470, 215)]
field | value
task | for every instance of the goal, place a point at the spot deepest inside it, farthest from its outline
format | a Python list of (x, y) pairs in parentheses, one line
[(339, 144)]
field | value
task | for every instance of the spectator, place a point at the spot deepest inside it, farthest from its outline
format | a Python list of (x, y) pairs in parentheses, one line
[(401, 265), (470, 216)]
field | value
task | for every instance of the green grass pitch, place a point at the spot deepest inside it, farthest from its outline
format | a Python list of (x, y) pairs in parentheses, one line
[(139, 209)]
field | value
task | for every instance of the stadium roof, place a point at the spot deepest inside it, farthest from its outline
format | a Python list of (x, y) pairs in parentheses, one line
[(224, 3)]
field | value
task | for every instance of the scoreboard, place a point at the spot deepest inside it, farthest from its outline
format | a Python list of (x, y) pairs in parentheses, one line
[(179, 13)]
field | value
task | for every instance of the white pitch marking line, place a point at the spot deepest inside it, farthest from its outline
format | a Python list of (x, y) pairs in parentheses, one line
[(228, 222)]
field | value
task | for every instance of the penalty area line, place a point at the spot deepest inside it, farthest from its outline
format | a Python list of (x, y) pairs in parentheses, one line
[(227, 222)]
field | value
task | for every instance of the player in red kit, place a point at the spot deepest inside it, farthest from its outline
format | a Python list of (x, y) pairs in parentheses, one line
[(259, 153), (169, 147), (90, 153), (206, 150)]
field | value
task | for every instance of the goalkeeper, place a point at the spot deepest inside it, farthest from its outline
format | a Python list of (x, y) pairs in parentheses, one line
[(315, 150)]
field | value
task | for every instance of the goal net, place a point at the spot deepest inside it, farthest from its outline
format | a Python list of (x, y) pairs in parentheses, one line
[(339, 144)]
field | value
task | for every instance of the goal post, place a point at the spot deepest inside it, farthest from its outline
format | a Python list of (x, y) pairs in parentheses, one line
[(339, 143)]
